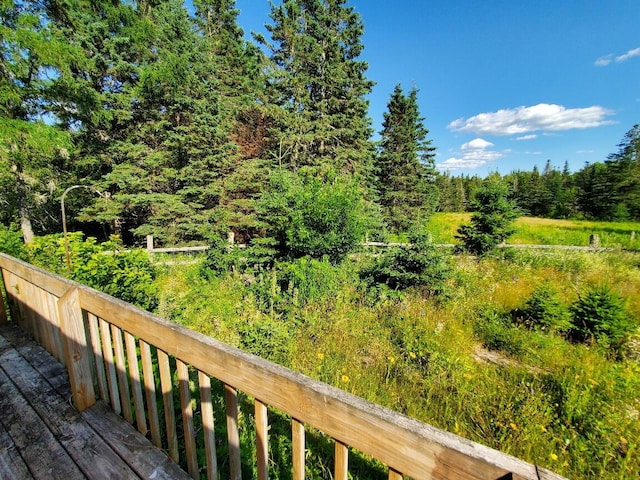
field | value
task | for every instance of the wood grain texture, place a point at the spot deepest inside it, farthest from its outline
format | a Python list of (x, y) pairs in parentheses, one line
[(262, 439), (150, 393), (12, 466), (208, 426), (297, 449), (341, 461), (233, 436), (85, 447), (77, 352), (121, 371), (166, 384), (146, 460), (393, 475), (4, 319), (190, 446), (98, 359), (136, 384), (110, 364)]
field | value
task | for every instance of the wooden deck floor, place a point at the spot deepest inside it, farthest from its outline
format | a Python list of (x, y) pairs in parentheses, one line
[(43, 437)]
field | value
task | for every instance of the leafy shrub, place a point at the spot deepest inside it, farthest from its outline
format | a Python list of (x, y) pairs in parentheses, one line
[(314, 215), (300, 282), (11, 243), (601, 315), (125, 274), (543, 311), (418, 264), (497, 332)]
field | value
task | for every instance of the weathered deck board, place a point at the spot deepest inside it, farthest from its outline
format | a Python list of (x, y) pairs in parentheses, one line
[(43, 436)]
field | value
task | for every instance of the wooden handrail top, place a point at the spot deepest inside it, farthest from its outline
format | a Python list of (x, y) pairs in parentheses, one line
[(404, 444)]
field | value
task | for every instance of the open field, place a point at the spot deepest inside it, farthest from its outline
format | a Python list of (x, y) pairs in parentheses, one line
[(545, 231)]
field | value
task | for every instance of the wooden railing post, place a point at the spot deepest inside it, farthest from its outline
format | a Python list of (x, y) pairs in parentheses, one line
[(3, 312), (76, 351)]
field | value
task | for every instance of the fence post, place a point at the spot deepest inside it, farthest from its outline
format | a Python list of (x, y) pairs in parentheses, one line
[(594, 241), (76, 350)]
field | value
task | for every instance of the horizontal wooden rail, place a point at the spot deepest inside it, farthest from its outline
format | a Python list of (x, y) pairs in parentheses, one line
[(406, 446)]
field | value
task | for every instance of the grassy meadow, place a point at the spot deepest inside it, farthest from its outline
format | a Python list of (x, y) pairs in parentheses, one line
[(546, 231), (457, 361)]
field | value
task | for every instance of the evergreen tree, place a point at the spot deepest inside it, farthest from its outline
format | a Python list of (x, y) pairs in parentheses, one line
[(319, 85), (492, 222), (33, 154), (406, 170)]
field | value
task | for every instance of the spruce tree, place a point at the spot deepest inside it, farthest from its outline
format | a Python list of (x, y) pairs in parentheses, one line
[(405, 167), (319, 84)]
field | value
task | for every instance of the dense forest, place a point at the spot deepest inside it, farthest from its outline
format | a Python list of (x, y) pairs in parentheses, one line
[(180, 125)]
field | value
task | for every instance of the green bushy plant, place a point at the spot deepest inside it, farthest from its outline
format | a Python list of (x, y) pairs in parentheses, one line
[(11, 243), (417, 264), (125, 274), (313, 214), (544, 311), (600, 314)]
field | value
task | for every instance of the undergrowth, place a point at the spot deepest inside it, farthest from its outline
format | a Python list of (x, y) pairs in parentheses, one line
[(568, 406)]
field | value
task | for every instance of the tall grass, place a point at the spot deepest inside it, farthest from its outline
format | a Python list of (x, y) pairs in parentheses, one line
[(567, 407)]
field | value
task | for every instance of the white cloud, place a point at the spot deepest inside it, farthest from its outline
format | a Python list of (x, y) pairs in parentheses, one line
[(477, 144), (608, 59), (626, 56), (473, 154), (527, 137), (604, 61), (541, 117)]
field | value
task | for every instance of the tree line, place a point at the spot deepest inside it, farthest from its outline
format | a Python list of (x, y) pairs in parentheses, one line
[(608, 190), (184, 127)]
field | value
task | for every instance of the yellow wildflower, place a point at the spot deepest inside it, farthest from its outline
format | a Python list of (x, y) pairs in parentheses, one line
[(320, 356), (553, 456), (345, 379), (513, 426)]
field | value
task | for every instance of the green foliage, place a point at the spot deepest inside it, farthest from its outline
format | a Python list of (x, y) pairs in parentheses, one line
[(125, 274), (600, 314), (493, 221), (314, 215), (496, 332), (11, 243), (418, 264), (544, 311), (405, 164)]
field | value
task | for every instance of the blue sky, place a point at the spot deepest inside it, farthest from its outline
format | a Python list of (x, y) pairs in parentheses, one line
[(504, 84)]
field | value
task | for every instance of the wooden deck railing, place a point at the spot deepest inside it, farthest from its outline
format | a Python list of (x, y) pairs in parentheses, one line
[(113, 349)]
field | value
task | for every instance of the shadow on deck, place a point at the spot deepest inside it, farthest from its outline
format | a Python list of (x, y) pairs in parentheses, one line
[(43, 437)]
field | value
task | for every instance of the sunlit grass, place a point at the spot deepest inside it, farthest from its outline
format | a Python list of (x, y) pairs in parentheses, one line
[(545, 231)]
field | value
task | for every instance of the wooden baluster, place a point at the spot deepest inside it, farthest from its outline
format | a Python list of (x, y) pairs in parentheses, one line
[(121, 370), (94, 334), (231, 402), (187, 419), (136, 385), (394, 475), (206, 410), (112, 380), (150, 390), (341, 461), (4, 319), (298, 447), (262, 440), (167, 399)]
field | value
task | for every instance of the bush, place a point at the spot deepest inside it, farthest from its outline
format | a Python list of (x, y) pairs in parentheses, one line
[(125, 274), (418, 264), (543, 311), (314, 215), (11, 243), (601, 315)]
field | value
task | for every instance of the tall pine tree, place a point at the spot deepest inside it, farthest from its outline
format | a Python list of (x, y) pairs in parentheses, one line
[(405, 167), (319, 83)]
